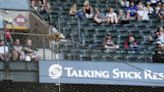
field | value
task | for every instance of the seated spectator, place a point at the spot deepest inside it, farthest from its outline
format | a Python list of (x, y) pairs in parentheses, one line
[(49, 8), (157, 8), (73, 10), (131, 43), (149, 8), (132, 11), (39, 5), (124, 3), (122, 17), (87, 9), (109, 44), (99, 17), (160, 39), (154, 2), (29, 51), (3, 51), (17, 53), (34, 5), (111, 16), (161, 12), (142, 14), (43, 9), (140, 4)]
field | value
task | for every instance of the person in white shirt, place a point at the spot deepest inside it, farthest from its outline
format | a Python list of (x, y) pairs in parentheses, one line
[(149, 8), (111, 16), (142, 14), (3, 51)]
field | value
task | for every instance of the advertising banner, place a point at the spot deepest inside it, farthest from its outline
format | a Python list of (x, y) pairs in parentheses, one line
[(18, 20), (107, 73)]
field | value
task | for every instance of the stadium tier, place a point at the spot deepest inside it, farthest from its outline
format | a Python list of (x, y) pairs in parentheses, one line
[(81, 46)]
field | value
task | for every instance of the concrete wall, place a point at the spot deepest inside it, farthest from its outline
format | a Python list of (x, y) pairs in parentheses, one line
[(19, 71)]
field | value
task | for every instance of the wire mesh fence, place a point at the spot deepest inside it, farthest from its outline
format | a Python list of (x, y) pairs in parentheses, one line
[(49, 51), (9, 86)]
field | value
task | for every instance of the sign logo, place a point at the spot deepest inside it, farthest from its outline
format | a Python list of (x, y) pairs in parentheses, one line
[(55, 71), (20, 20)]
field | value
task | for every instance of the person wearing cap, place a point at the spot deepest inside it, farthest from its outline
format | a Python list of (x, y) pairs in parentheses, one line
[(87, 9)]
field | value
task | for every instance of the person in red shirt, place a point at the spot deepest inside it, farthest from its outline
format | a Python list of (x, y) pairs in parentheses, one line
[(131, 43)]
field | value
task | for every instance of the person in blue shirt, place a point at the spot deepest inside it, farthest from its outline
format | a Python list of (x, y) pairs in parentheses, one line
[(131, 11)]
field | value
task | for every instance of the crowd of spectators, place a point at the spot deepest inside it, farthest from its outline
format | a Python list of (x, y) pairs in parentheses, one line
[(132, 44), (138, 10), (131, 10), (18, 52), (43, 7)]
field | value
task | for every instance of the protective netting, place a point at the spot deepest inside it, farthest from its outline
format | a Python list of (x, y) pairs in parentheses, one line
[(73, 52), (9, 86)]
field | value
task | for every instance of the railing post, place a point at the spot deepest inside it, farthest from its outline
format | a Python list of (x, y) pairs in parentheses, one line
[(79, 33), (43, 40)]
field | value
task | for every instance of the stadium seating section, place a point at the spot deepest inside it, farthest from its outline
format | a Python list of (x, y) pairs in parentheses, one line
[(87, 36)]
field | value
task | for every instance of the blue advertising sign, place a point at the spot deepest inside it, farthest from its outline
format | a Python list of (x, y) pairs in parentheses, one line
[(113, 73)]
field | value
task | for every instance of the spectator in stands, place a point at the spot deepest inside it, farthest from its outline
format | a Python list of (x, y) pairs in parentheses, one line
[(111, 16), (153, 2), (43, 9), (122, 17), (124, 3), (34, 4), (131, 43), (17, 53), (99, 17), (29, 51), (73, 10), (88, 10), (40, 4), (160, 38), (3, 51), (132, 11), (109, 44), (140, 4), (49, 8), (149, 8), (45, 1), (161, 12), (142, 14), (157, 8)]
